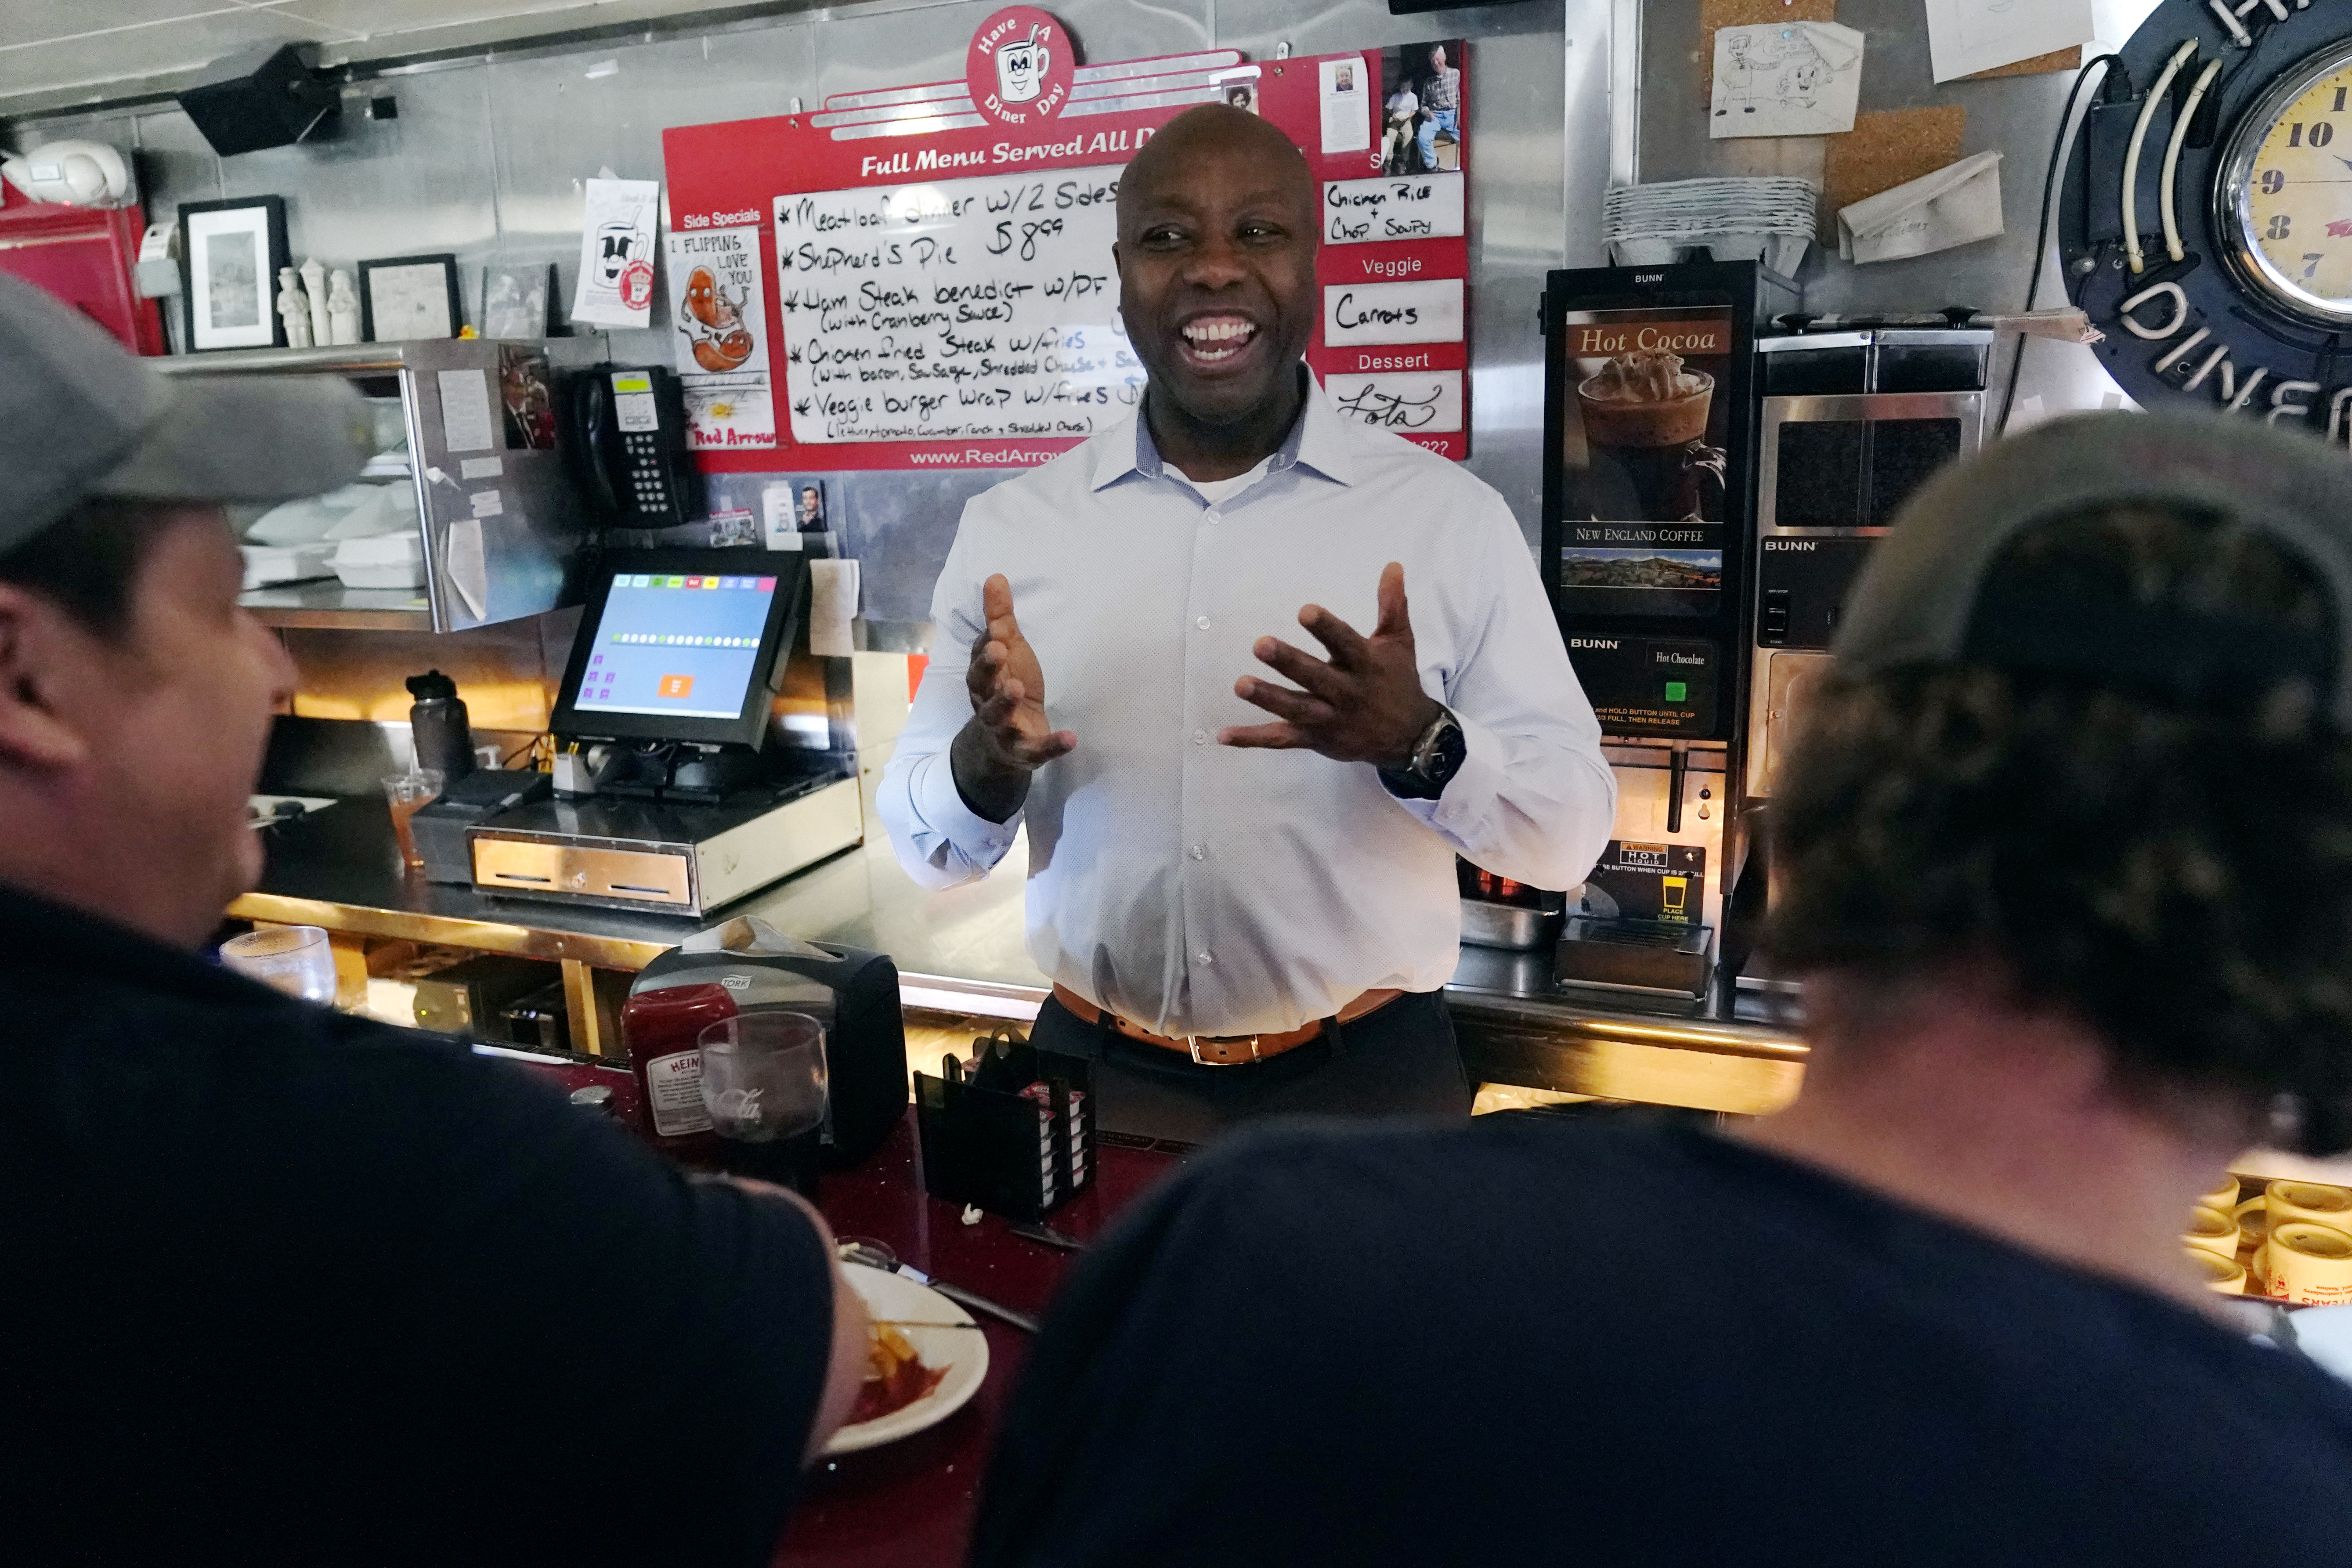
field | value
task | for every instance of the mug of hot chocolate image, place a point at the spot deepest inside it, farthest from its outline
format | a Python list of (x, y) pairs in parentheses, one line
[(1645, 416)]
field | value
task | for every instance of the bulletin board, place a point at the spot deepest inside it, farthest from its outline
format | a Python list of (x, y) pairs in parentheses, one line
[(921, 277)]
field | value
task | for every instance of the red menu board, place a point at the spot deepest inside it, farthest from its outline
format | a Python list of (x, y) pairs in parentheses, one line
[(921, 277)]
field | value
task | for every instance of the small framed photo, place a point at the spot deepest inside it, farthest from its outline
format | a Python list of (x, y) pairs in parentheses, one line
[(230, 254), (403, 297), (517, 300)]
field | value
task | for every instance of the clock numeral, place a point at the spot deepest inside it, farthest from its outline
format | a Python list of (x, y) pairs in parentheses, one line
[(2273, 182), (2338, 109), (2322, 133), (2311, 260), (2295, 134), (2281, 224)]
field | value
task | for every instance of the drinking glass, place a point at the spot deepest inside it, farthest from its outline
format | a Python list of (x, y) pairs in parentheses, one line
[(296, 960), (764, 1084), (407, 793)]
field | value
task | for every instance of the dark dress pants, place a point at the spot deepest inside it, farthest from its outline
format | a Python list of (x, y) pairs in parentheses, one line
[(1398, 1060)]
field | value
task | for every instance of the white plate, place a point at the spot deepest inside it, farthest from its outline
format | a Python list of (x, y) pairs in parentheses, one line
[(963, 1353)]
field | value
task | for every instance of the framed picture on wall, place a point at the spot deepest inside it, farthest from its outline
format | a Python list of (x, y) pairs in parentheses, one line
[(230, 254), (404, 297), (515, 300)]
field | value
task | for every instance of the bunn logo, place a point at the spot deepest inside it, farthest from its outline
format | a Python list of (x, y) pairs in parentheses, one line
[(1649, 277), (1605, 644), (1787, 544)]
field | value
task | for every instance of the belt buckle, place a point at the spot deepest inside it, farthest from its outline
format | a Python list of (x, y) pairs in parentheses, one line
[(1193, 1044)]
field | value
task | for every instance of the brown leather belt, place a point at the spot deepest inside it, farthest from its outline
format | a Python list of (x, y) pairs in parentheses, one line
[(1223, 1051)]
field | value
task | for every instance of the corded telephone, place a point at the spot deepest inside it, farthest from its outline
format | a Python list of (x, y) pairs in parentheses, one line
[(628, 429)]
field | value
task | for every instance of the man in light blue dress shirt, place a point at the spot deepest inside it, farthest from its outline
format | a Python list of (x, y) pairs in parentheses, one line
[(1244, 889)]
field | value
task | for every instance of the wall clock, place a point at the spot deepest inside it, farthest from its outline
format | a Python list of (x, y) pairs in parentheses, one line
[(2206, 220)]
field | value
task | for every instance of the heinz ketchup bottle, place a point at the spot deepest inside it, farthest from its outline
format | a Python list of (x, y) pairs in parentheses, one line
[(660, 1029)]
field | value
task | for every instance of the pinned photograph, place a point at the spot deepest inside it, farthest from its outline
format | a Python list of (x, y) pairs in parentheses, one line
[(1421, 108), (1237, 87), (1346, 107)]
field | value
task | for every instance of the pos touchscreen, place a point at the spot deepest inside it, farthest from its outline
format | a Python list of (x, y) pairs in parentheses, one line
[(682, 645)]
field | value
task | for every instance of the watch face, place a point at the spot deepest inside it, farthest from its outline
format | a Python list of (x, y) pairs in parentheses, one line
[(2284, 191)]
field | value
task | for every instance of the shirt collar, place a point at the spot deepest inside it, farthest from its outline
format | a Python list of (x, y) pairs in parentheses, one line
[(1319, 440)]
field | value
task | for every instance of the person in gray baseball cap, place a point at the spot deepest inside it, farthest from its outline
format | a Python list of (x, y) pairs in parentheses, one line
[(286, 1286), (136, 692), (2064, 865)]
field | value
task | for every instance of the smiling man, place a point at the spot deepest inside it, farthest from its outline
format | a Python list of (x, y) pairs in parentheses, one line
[(1242, 887)]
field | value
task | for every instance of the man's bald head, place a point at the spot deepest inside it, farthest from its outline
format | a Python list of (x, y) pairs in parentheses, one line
[(1217, 224), (1216, 132)]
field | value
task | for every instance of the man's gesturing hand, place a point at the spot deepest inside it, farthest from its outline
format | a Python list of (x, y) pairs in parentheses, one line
[(1008, 736), (1365, 706)]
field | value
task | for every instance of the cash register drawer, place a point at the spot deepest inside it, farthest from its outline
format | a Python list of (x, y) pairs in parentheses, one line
[(583, 871)]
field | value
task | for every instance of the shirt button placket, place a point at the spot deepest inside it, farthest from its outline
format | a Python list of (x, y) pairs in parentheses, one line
[(1203, 684)]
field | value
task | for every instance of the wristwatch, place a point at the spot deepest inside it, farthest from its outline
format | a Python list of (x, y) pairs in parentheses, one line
[(1436, 758)]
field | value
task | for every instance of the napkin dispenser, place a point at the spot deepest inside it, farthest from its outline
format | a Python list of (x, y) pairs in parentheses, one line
[(753, 966)]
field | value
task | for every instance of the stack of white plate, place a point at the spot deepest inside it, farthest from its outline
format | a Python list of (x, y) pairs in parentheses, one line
[(1768, 219)]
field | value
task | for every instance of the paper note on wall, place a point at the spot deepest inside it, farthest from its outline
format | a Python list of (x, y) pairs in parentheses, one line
[(1789, 78), (616, 254), (1965, 36), (721, 316), (954, 309), (832, 605), (1427, 312), (1426, 403), (1407, 206), (467, 424), (1347, 104)]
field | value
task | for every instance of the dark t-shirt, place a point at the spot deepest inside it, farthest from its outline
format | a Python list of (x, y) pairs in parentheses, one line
[(280, 1285), (1555, 1341)]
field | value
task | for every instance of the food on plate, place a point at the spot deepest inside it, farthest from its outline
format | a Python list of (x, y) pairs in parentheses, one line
[(894, 1377)]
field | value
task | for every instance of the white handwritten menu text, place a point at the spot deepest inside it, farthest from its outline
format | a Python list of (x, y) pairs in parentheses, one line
[(953, 308)]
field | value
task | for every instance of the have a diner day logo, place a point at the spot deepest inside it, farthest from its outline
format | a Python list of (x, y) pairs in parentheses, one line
[(1020, 65)]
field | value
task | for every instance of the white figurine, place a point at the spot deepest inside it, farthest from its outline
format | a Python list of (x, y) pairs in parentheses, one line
[(344, 309), (314, 288), (295, 306)]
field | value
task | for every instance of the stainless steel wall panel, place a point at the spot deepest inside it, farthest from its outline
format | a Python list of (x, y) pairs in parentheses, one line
[(2016, 116), (864, 48), (407, 187), (1517, 105), (489, 155)]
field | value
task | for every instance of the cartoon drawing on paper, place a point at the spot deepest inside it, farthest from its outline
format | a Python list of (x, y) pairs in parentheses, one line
[(1786, 78), (1965, 36)]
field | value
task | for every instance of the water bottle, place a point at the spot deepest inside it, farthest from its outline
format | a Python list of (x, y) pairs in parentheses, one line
[(445, 742)]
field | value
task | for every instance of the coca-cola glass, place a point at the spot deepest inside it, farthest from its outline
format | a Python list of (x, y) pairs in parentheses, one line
[(764, 1084)]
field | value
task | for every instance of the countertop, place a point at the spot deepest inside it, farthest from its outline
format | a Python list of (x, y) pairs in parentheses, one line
[(910, 1504), (961, 951)]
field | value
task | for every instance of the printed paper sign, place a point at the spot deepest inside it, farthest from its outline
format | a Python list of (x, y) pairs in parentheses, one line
[(717, 302), (956, 308), (1428, 403), (1413, 206), (616, 254), (1427, 312), (1347, 104), (729, 411)]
